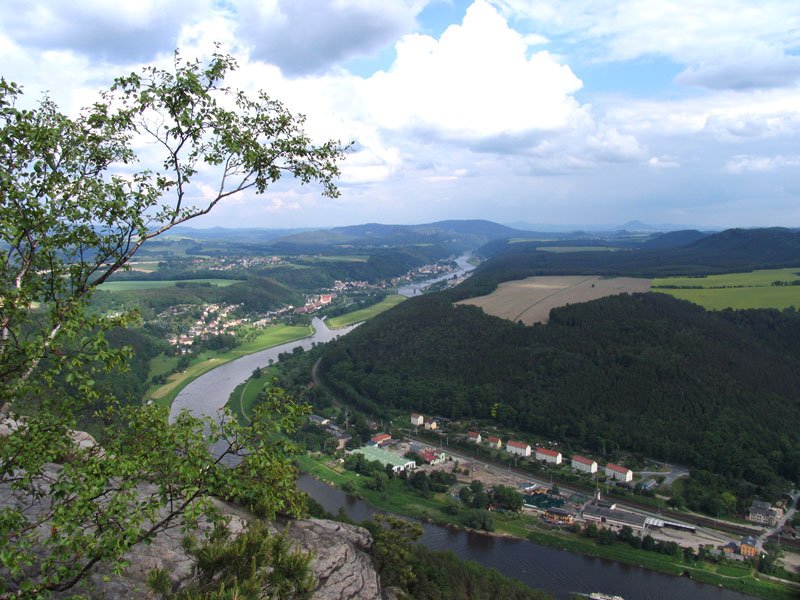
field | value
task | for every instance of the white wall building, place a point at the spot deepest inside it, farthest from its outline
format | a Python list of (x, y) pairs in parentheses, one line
[(548, 456), (518, 448), (618, 472), (583, 464)]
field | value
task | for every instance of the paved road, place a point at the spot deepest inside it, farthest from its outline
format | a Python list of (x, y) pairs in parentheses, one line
[(674, 473)]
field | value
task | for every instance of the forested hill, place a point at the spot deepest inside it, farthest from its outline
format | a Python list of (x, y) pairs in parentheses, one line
[(725, 252), (644, 373)]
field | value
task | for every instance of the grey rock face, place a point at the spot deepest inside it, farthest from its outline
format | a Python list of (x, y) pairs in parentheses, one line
[(342, 564)]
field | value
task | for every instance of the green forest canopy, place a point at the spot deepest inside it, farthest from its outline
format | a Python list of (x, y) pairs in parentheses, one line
[(643, 373)]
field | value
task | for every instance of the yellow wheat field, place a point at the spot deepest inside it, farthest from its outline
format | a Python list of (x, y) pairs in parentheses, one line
[(531, 300)]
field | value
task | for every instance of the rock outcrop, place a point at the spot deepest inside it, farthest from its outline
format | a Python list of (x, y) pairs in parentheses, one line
[(341, 562)]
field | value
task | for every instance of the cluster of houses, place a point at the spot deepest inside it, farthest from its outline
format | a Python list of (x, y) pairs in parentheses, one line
[(214, 320), (746, 549), (578, 462), (315, 303), (422, 421)]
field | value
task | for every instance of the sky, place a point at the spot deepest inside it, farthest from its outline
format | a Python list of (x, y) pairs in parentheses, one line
[(584, 112)]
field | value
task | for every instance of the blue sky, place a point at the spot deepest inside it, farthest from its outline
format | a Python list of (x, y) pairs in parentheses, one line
[(589, 112)]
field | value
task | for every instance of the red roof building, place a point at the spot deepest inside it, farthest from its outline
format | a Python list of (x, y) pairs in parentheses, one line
[(581, 463), (381, 439), (550, 456), (618, 472), (494, 441), (432, 457), (474, 436), (519, 448)]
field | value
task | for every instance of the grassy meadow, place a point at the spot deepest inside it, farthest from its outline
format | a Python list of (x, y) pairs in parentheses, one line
[(365, 313), (163, 395), (735, 290), (246, 394)]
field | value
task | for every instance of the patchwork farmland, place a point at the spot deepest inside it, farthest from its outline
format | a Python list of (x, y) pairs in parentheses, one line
[(531, 300), (765, 288)]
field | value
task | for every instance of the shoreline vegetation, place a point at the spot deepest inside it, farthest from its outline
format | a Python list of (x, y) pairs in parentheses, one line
[(364, 314), (399, 499), (165, 394)]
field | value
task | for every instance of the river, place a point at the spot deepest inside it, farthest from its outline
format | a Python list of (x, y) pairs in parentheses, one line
[(559, 572), (417, 288), (207, 395)]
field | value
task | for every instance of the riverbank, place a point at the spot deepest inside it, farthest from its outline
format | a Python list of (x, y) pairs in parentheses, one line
[(364, 314), (165, 394), (398, 498)]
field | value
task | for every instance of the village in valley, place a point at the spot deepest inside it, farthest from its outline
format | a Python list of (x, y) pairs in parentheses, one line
[(433, 445)]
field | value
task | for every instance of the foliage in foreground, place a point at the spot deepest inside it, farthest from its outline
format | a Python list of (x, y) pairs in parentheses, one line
[(255, 565), (73, 210)]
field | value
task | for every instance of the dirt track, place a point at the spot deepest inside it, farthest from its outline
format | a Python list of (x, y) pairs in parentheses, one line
[(531, 300)]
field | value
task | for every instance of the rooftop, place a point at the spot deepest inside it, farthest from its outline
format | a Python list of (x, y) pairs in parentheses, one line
[(617, 468), (547, 452), (518, 444), (383, 456), (582, 459)]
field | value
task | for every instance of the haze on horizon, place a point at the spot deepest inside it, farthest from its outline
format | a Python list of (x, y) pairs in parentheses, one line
[(550, 111)]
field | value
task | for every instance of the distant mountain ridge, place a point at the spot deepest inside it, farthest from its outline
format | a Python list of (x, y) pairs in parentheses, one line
[(462, 234)]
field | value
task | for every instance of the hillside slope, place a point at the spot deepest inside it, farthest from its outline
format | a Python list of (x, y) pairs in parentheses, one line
[(644, 373)]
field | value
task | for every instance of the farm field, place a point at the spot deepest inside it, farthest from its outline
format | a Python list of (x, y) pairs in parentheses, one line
[(739, 298), (761, 278), (365, 313), (145, 266), (126, 286), (531, 300), (735, 290)]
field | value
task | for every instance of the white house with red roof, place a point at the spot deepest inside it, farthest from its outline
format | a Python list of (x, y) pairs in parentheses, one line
[(619, 473), (417, 420), (518, 448), (583, 464), (494, 442), (474, 436), (548, 456)]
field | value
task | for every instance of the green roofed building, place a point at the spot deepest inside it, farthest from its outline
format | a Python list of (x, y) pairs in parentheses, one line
[(398, 463)]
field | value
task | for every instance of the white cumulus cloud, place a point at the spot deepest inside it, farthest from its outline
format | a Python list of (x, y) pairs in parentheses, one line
[(473, 83), (736, 44)]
